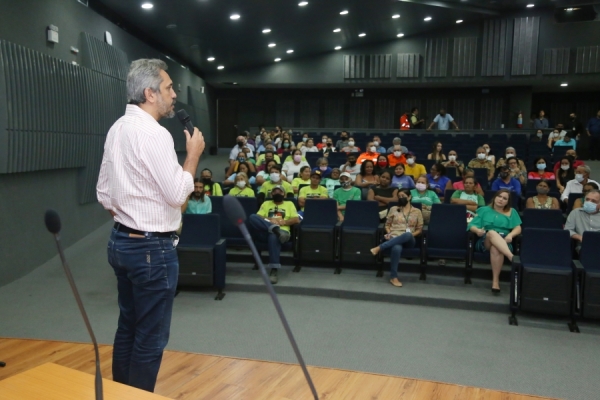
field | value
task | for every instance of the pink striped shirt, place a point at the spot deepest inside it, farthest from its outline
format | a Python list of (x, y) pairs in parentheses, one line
[(140, 177)]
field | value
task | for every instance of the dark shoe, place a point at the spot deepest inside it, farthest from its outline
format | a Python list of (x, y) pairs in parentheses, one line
[(281, 234), (273, 276), (495, 291)]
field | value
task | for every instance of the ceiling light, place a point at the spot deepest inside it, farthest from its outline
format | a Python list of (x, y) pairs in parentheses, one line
[(234, 16), (272, 45), (277, 59), (362, 34), (220, 67), (235, 83), (396, 16), (266, 30), (459, 21), (530, 5), (564, 84), (183, 66), (147, 6), (344, 12), (290, 51), (303, 3), (427, 19), (211, 59), (338, 47), (400, 34), (336, 30)]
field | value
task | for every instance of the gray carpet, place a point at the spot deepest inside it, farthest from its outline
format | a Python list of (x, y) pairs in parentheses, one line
[(438, 343)]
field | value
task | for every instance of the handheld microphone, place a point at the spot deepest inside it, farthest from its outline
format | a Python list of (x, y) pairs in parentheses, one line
[(237, 215), (185, 120), (53, 225)]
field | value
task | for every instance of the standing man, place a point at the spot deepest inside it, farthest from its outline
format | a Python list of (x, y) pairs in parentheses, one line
[(593, 131), (443, 121), (143, 187), (415, 122)]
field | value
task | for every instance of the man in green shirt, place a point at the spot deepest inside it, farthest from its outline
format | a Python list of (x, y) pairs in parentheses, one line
[(345, 193), (271, 226), (314, 191)]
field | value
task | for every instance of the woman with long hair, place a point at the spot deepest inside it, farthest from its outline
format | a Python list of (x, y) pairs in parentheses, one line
[(367, 176), (436, 152), (565, 173)]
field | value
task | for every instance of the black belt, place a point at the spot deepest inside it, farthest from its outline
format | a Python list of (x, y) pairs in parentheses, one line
[(122, 228)]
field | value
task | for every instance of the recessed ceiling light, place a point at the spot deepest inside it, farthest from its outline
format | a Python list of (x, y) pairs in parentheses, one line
[(344, 12), (210, 59), (290, 51), (530, 5), (400, 34), (235, 83), (266, 30), (171, 26), (272, 45), (183, 66), (362, 34), (147, 6), (234, 16), (396, 16), (277, 59), (427, 19), (459, 21), (220, 67), (564, 84), (336, 30), (338, 47), (303, 3)]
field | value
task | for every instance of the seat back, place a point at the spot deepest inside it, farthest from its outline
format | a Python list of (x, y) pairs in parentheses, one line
[(447, 227), (588, 256), (361, 215), (543, 219), (546, 248), (228, 229), (448, 195), (200, 230), (571, 201), (320, 213)]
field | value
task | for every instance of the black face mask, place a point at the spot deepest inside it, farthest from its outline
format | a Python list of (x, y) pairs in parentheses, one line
[(503, 175), (241, 144), (352, 163), (207, 181), (402, 201), (277, 197)]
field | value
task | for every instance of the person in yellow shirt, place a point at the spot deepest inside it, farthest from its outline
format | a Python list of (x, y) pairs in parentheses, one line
[(370, 154), (314, 191), (242, 186), (302, 179), (275, 179), (412, 168)]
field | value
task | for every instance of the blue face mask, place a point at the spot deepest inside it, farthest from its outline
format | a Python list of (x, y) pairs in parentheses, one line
[(541, 166), (589, 207)]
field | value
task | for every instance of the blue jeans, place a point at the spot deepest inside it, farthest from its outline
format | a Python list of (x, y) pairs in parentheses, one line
[(259, 229), (147, 271), (396, 244)]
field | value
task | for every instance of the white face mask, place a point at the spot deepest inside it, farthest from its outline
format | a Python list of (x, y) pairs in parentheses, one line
[(452, 158), (421, 187), (351, 143), (481, 156), (373, 149), (579, 177), (376, 143), (410, 161), (564, 167), (509, 156), (304, 139), (397, 153), (241, 184), (487, 151), (324, 140), (274, 177)]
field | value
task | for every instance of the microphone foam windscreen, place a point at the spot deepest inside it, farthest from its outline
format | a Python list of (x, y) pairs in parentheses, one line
[(183, 117), (234, 210), (52, 221)]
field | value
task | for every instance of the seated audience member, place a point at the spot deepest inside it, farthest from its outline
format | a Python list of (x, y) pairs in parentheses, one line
[(582, 177), (437, 153), (309, 147), (396, 156), (197, 202), (323, 166), (460, 185), (403, 223), (382, 165), (302, 179), (384, 193), (542, 201), (454, 162), (572, 154), (538, 137), (286, 136), (286, 145), (438, 181), (412, 168), (332, 181), (489, 153), (267, 144), (241, 159), (586, 218), (564, 173), (422, 194), (400, 180), (264, 158), (273, 233), (242, 167), (468, 197), (553, 137), (586, 189), (351, 148), (378, 147), (248, 139), (566, 141), (246, 154), (294, 165), (397, 142), (539, 171), (263, 176), (240, 143), (328, 148), (505, 181), (210, 188), (496, 225), (345, 193), (275, 179), (482, 162), (242, 186), (515, 171), (305, 137), (312, 191), (351, 166), (511, 152), (342, 142), (367, 175), (323, 143), (370, 154)]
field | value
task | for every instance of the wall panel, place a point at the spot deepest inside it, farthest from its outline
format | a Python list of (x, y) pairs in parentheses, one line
[(493, 57), (102, 57), (588, 60), (408, 65), (380, 66), (491, 113), (463, 111), (333, 113), (309, 113), (464, 56), (525, 46), (355, 66), (358, 113), (433, 108), (285, 112), (556, 61), (384, 111), (436, 57)]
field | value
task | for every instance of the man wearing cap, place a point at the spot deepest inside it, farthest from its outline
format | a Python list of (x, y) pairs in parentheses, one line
[(314, 191), (505, 181), (412, 168), (345, 193), (271, 226)]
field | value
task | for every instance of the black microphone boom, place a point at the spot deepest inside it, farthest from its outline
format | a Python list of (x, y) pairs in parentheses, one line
[(53, 225), (237, 215), (185, 120)]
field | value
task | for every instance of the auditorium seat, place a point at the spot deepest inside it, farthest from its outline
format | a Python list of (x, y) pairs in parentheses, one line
[(589, 280), (317, 232), (359, 233), (230, 231), (542, 219), (571, 201)]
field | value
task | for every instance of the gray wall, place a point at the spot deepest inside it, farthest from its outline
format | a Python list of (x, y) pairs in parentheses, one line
[(54, 117)]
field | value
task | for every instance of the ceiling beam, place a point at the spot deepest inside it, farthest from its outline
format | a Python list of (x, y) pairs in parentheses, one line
[(454, 6)]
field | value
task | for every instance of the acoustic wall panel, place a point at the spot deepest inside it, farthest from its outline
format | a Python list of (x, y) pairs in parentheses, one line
[(309, 113), (285, 112), (493, 57), (525, 46), (102, 57), (333, 113), (384, 111), (436, 57), (463, 111), (406, 105), (380, 66), (408, 65), (556, 61), (588, 60), (490, 115), (355, 66), (464, 56), (358, 114)]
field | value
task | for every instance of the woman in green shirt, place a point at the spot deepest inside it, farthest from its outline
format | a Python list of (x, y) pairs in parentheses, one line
[(468, 197), (423, 195), (496, 225)]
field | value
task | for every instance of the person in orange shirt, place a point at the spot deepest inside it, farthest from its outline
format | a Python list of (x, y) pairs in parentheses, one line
[(323, 142), (396, 157), (370, 154)]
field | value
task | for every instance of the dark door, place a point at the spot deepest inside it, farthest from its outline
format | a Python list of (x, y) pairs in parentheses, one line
[(227, 122)]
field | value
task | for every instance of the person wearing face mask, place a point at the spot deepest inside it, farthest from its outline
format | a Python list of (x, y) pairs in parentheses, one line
[(263, 176), (351, 166), (275, 179), (574, 126), (345, 193), (460, 185), (233, 168), (270, 226), (572, 154), (567, 140), (305, 137), (539, 171), (343, 141), (454, 162), (511, 152), (582, 176), (480, 161), (370, 154), (438, 181), (542, 201), (538, 137), (422, 194), (303, 179), (505, 181), (400, 180), (553, 138), (403, 223), (323, 143), (309, 147), (198, 202), (412, 168), (242, 168), (564, 173), (332, 181), (314, 191), (242, 187), (322, 167), (377, 143), (396, 156), (351, 147), (586, 189), (286, 146), (443, 121), (586, 218), (328, 148), (541, 122), (384, 193), (382, 165), (210, 188), (397, 142), (295, 165), (240, 143), (489, 153)]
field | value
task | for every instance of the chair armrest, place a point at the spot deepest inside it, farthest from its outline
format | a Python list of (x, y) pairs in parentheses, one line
[(220, 259), (515, 286), (578, 266)]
